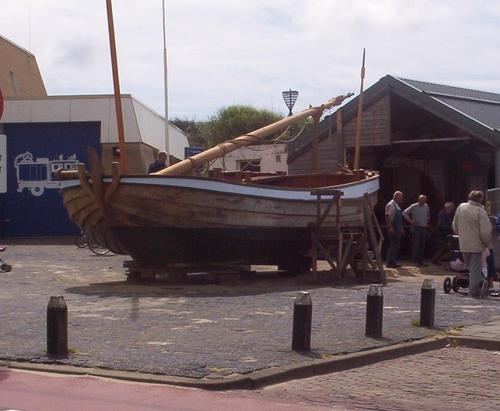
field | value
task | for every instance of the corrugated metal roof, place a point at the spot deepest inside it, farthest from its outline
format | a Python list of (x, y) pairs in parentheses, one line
[(452, 91), (481, 106)]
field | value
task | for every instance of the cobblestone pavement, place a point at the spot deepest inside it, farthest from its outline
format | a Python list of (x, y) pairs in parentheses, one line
[(197, 331), (447, 379)]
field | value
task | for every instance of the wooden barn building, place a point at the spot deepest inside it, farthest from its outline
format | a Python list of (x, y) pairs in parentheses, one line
[(425, 138)]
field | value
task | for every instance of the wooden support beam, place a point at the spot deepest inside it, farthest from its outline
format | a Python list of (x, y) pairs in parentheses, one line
[(345, 257), (324, 252), (316, 233)]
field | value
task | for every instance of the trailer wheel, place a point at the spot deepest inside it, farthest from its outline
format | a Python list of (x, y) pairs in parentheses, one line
[(5, 268), (447, 285), (37, 191), (295, 266)]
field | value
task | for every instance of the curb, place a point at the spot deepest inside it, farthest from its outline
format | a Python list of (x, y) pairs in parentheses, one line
[(475, 342), (274, 375)]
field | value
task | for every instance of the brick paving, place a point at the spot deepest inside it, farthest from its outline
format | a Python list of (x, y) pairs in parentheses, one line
[(447, 379), (198, 331)]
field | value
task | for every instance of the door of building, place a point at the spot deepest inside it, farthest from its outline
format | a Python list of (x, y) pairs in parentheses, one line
[(32, 205)]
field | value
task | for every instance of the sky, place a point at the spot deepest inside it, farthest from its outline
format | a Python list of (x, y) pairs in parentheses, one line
[(224, 52)]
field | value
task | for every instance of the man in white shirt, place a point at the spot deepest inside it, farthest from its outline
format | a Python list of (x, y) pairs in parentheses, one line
[(418, 215), (473, 226)]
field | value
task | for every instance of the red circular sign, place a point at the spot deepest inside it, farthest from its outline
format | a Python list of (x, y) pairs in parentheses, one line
[(1, 103)]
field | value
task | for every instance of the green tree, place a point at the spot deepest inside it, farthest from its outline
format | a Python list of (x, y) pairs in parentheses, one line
[(233, 121), (195, 131)]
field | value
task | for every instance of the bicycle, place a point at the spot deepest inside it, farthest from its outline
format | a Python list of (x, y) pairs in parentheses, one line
[(4, 267), (83, 241)]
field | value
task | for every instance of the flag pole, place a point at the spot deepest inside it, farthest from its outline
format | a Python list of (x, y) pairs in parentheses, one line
[(165, 83)]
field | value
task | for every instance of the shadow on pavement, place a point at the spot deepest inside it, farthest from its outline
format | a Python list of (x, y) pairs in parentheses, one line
[(263, 283)]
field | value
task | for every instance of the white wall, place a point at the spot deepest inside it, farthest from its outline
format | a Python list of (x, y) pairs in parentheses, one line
[(141, 123), (152, 129), (266, 153)]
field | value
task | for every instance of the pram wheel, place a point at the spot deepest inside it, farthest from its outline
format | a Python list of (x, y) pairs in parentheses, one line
[(454, 284), (447, 285), (5, 268)]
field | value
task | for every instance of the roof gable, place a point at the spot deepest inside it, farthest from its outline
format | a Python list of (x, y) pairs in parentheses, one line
[(481, 106), (477, 112)]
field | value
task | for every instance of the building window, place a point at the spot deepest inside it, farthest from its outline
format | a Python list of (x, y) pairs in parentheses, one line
[(249, 165), (278, 158)]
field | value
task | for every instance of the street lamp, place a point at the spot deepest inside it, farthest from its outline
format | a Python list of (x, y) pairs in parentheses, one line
[(290, 97)]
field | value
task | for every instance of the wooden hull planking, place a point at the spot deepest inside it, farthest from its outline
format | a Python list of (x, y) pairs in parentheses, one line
[(197, 220)]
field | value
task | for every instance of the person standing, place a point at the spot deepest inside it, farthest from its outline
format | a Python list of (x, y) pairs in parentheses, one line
[(394, 223), (418, 215), (444, 222), (159, 164), (473, 227)]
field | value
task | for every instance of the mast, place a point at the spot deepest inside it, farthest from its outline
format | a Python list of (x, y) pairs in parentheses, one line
[(314, 154), (197, 161), (116, 84), (360, 117), (340, 143), (165, 84)]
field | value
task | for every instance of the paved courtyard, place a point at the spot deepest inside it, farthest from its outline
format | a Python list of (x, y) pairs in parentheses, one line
[(194, 330)]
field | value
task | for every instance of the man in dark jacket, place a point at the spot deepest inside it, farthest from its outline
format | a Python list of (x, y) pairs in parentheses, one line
[(159, 164), (444, 222)]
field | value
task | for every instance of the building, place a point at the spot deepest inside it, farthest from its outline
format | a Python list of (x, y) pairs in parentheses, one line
[(426, 138), (40, 133), (265, 158), (144, 129), (19, 72)]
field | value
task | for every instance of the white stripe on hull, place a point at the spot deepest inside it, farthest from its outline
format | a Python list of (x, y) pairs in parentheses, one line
[(350, 191)]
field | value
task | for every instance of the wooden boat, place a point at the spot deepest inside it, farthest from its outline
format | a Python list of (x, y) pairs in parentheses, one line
[(183, 219), (175, 217), (171, 217), (168, 217)]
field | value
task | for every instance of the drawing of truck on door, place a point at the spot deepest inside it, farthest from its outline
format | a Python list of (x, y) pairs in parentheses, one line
[(38, 175)]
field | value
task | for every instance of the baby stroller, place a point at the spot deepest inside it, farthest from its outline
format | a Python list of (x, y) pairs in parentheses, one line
[(4, 267), (457, 265)]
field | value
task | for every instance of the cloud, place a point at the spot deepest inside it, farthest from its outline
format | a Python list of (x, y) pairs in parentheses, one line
[(226, 52)]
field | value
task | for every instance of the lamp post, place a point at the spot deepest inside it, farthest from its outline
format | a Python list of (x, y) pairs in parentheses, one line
[(290, 97)]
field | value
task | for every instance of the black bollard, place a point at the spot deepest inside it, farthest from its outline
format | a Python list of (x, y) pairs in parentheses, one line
[(374, 311), (57, 327), (427, 304), (302, 320)]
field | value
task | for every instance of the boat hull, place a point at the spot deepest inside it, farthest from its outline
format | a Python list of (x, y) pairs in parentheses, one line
[(209, 245), (197, 220)]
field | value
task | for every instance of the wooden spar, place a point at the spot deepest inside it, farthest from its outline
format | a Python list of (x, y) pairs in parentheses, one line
[(198, 160), (116, 84), (360, 117)]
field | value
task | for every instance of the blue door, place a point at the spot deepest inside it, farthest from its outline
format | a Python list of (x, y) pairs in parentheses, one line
[(32, 205)]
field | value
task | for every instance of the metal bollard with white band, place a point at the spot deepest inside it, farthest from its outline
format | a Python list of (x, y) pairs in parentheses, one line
[(374, 311), (57, 327), (302, 321), (427, 304)]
